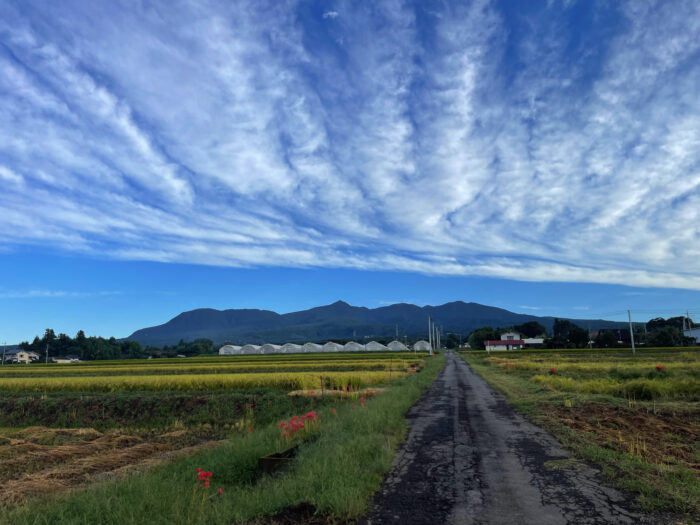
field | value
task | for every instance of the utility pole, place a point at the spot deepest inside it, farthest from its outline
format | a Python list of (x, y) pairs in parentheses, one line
[(4, 348), (47, 353), (430, 336), (687, 315), (629, 316)]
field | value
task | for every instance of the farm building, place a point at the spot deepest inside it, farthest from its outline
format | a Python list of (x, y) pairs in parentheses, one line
[(229, 350), (508, 341), (396, 345), (312, 347), (270, 349), (250, 349), (373, 346), (291, 348), (66, 359), (352, 346), (330, 346), (421, 346), (21, 356), (694, 333)]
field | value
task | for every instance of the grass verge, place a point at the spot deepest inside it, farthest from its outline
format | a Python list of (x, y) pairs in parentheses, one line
[(647, 448), (337, 472)]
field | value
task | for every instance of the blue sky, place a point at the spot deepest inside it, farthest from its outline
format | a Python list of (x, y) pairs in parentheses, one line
[(161, 156)]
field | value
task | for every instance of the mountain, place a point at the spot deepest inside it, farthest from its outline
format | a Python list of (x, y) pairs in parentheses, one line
[(337, 321)]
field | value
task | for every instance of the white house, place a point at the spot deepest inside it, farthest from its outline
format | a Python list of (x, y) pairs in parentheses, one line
[(352, 346), (421, 346), (373, 346), (21, 356), (291, 348), (250, 349), (312, 347), (508, 341), (230, 350), (396, 345), (694, 333), (270, 349), (330, 346)]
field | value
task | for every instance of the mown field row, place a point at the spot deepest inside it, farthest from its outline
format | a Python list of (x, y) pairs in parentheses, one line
[(258, 358), (214, 368), (200, 382)]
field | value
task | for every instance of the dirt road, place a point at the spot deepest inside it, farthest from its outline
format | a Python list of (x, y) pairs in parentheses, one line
[(470, 458)]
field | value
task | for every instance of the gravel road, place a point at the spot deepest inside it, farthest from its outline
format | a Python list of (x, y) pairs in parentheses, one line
[(470, 458)]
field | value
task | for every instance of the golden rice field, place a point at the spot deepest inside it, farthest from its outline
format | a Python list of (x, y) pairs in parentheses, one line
[(653, 374), (211, 374)]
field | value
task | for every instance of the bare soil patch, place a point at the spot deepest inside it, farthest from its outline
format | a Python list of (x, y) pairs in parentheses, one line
[(659, 436)]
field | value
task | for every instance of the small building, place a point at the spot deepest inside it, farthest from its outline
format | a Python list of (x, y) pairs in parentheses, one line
[(374, 346), (352, 346), (291, 348), (531, 341), (694, 333), (250, 349), (330, 346), (312, 347), (270, 349), (421, 346), (397, 346), (65, 360), (21, 356), (504, 344), (510, 336), (230, 350)]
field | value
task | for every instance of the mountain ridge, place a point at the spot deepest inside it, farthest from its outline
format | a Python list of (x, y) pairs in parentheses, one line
[(338, 320)]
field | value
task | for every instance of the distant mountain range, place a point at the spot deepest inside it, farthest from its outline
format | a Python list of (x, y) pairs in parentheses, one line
[(337, 321)]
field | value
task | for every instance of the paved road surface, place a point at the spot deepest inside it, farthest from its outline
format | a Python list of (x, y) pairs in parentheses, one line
[(469, 458)]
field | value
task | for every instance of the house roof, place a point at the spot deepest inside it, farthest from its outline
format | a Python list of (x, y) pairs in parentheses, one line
[(494, 342)]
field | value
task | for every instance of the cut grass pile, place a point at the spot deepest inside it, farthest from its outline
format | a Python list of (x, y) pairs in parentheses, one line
[(639, 423), (335, 472)]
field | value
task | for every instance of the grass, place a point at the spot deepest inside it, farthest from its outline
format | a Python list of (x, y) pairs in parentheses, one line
[(337, 472), (640, 425)]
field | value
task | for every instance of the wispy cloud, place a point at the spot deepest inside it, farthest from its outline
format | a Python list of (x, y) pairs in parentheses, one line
[(47, 294), (441, 142), (530, 307)]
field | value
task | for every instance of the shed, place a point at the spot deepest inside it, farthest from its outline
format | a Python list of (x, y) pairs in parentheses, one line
[(396, 345)]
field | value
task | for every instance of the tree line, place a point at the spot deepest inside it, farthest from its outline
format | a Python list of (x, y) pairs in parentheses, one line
[(99, 348), (657, 332)]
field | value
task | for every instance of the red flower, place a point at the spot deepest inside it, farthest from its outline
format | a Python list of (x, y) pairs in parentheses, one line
[(352, 404), (553, 371), (95, 406), (206, 484), (250, 429), (221, 491), (333, 410), (661, 368), (199, 469)]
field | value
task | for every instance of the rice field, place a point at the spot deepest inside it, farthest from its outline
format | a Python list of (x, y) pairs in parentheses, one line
[(348, 372)]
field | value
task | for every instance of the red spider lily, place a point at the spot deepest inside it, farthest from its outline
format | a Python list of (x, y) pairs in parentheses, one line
[(352, 404), (250, 429), (660, 368), (95, 406), (289, 428), (221, 491), (206, 484), (199, 469), (553, 371), (333, 410)]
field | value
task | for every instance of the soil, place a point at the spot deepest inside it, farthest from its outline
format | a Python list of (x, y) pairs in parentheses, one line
[(659, 436), (470, 458)]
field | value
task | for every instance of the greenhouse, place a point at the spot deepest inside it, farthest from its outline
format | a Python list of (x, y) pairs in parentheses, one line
[(250, 349), (332, 347), (270, 349), (312, 347), (421, 346), (291, 348), (352, 346), (396, 345), (229, 350), (373, 346)]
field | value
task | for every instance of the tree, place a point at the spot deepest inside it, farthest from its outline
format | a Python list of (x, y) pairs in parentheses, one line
[(606, 339), (530, 329), (478, 336), (666, 336), (578, 336), (452, 341)]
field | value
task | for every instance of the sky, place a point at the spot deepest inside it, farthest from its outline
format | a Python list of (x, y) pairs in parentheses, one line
[(160, 156)]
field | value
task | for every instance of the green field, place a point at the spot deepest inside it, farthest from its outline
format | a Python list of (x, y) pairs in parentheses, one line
[(119, 442), (637, 416)]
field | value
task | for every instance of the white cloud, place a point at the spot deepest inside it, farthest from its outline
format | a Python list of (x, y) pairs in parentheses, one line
[(224, 134)]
